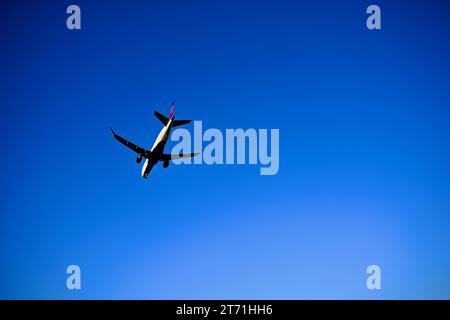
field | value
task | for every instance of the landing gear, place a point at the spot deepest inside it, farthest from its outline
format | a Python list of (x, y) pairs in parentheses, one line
[(139, 158), (165, 164)]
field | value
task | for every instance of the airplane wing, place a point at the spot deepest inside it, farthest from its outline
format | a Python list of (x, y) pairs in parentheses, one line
[(166, 156), (129, 144)]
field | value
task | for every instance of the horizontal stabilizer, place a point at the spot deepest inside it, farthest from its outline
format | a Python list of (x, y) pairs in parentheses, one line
[(161, 118), (177, 123)]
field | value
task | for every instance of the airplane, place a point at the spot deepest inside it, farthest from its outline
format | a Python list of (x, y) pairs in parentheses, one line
[(156, 153)]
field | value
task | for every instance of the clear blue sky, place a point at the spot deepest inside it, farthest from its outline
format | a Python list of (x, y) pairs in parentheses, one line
[(364, 150)]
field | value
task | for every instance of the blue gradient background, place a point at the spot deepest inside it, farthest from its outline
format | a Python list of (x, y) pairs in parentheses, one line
[(364, 150)]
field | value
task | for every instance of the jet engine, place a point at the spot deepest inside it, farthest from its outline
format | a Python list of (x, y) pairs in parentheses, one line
[(139, 158), (166, 164)]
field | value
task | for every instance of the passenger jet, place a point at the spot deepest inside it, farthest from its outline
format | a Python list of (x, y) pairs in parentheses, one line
[(156, 153)]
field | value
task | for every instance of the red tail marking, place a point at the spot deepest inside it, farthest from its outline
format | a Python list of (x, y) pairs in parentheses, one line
[(172, 110)]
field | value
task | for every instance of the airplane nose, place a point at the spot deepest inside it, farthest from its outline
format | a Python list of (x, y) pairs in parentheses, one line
[(146, 168)]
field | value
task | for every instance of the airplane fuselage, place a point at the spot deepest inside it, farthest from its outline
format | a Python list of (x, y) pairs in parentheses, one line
[(158, 149)]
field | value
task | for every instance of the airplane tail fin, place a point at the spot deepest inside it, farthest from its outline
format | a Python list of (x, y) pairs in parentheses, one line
[(164, 120), (172, 110)]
